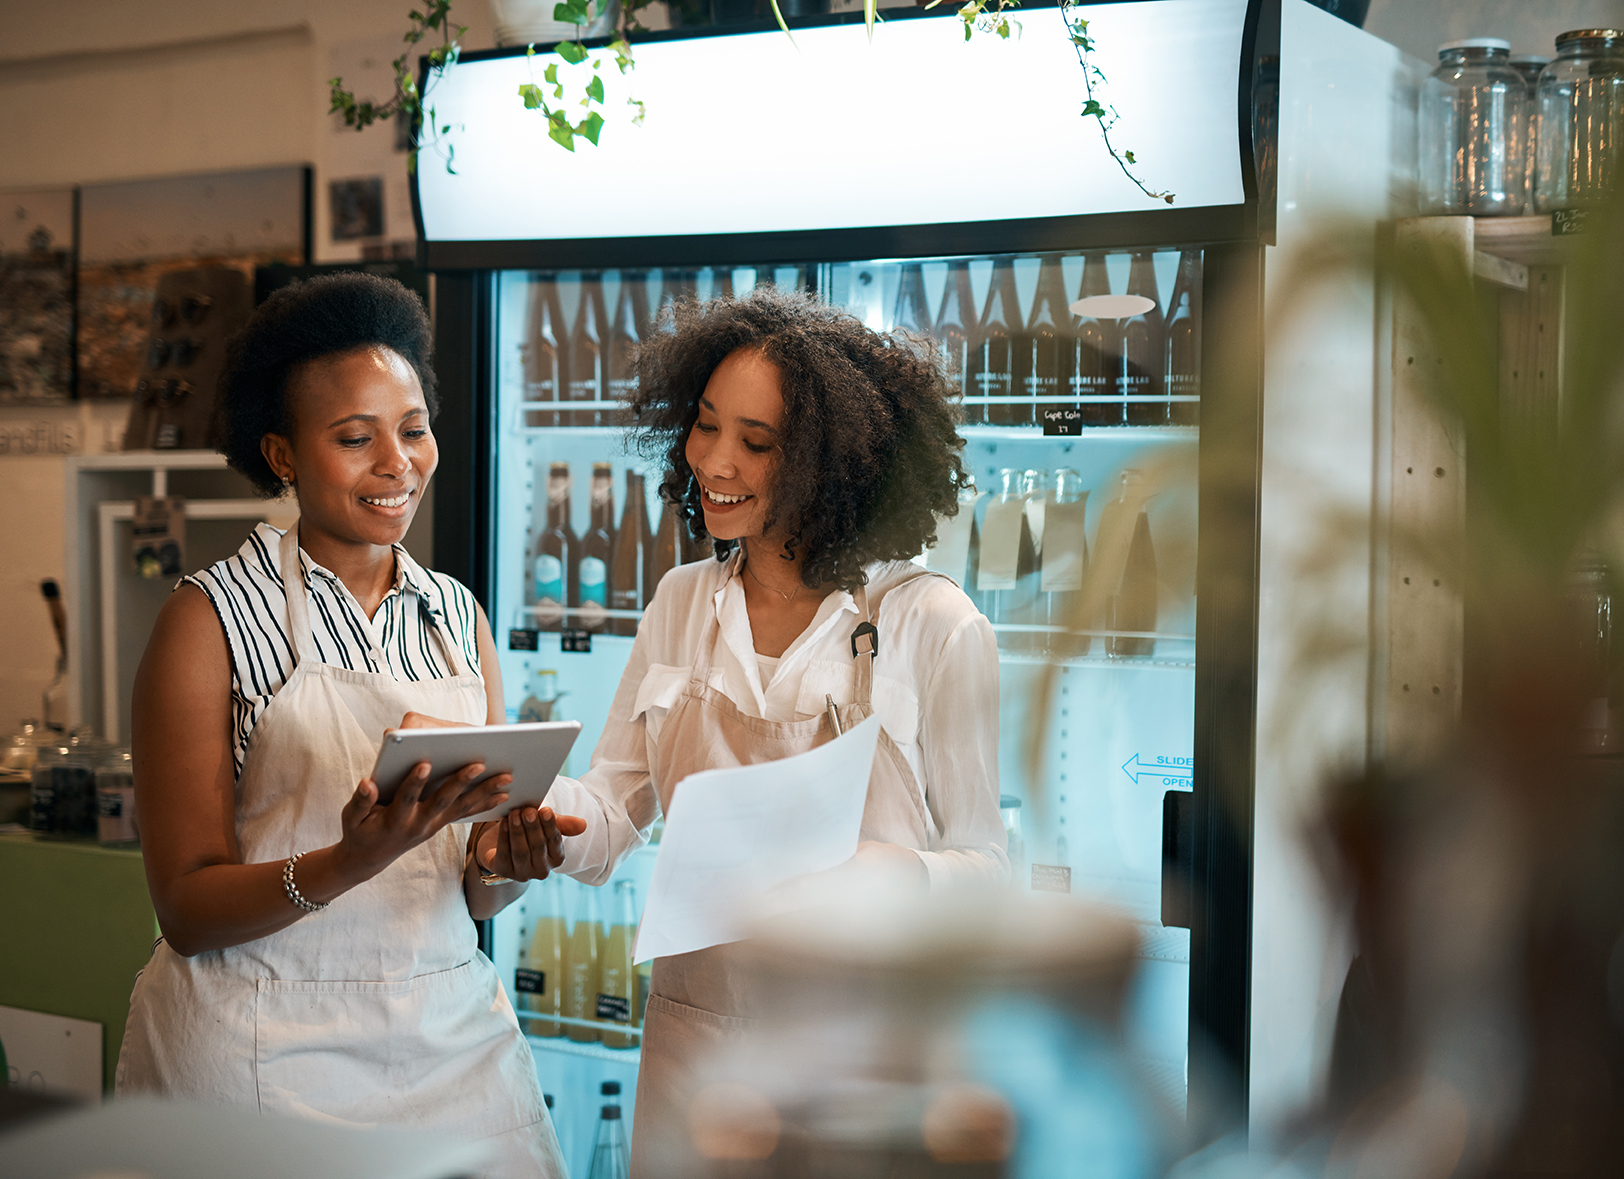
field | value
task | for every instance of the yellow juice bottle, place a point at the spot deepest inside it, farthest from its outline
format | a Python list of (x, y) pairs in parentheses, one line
[(617, 993), (582, 970), (544, 958)]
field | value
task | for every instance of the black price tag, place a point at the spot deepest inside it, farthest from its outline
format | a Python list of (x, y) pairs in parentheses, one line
[(1050, 878), (614, 1007), (573, 639), (1568, 222), (524, 640), (530, 982), (1061, 421)]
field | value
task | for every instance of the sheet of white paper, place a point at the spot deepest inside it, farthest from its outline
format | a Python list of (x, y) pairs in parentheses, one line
[(734, 833)]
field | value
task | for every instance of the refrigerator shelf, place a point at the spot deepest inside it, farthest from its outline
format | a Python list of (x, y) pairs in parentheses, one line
[(1100, 661), (568, 1047), (536, 612), (1027, 628), (996, 433), (602, 1025)]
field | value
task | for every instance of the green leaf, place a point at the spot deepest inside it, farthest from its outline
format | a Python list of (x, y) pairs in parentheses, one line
[(1092, 107), (590, 126), (967, 28), (563, 13), (1128, 155), (637, 119), (1003, 29), (870, 10), (531, 93), (594, 90), (550, 74), (530, 51), (573, 52), (563, 136)]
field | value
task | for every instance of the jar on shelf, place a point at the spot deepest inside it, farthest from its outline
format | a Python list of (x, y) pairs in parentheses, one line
[(1529, 66), (1581, 119), (1475, 118), (115, 798)]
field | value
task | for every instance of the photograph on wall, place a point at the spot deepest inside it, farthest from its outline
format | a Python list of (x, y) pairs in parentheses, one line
[(132, 234), (36, 296)]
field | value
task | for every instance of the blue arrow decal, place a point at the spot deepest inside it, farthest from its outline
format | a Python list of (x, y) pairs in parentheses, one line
[(1171, 768)]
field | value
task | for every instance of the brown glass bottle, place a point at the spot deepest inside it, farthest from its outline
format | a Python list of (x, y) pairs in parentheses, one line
[(1144, 352), (597, 549), (1095, 354), (620, 347), (956, 328), (1184, 341), (553, 570), (628, 572), (992, 367), (543, 361), (664, 553), (586, 353), (1048, 345), (912, 312)]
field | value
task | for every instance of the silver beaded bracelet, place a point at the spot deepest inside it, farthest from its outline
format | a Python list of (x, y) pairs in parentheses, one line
[(294, 894)]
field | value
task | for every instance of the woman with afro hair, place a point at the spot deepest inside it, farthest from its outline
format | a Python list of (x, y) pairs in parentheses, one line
[(319, 955), (815, 455)]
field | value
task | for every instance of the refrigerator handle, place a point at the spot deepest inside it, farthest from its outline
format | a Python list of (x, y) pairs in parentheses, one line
[(1178, 858)]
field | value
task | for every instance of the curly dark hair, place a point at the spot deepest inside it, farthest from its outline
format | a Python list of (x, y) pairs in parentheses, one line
[(869, 446), (305, 321)]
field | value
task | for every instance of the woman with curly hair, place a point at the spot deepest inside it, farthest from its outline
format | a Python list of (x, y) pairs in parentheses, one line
[(319, 954), (815, 454)]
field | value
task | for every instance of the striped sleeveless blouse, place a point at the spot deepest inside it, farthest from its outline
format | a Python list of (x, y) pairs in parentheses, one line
[(247, 593)]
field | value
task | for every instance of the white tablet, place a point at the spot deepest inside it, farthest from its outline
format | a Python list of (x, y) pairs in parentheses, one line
[(532, 753)]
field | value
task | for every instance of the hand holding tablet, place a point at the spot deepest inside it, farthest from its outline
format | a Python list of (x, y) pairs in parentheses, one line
[(532, 753)]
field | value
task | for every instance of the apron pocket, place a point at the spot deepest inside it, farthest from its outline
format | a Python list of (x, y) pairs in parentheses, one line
[(440, 1050)]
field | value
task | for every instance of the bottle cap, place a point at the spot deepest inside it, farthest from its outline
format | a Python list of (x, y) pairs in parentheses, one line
[(1475, 43), (611, 1113), (1588, 35), (1008, 802), (610, 1088)]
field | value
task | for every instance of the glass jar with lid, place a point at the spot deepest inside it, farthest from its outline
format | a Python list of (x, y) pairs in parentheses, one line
[(115, 798), (1581, 119), (1529, 66), (1475, 116)]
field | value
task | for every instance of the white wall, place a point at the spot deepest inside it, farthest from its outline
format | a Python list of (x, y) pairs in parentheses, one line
[(100, 90)]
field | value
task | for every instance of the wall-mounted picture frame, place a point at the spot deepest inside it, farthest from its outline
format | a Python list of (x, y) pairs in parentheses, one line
[(36, 296)]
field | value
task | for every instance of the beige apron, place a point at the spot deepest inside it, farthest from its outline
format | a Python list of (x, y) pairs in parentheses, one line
[(378, 1010), (697, 1002)]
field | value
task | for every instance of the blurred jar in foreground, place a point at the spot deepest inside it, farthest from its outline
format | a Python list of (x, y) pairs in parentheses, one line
[(1581, 119), (1475, 115)]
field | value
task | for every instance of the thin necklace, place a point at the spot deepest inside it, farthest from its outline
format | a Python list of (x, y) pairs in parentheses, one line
[(789, 597)]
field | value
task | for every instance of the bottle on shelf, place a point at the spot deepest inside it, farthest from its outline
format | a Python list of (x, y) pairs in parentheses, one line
[(955, 535), (676, 285), (581, 967), (543, 360), (912, 311), (538, 706), (610, 1159), (620, 347), (586, 367), (721, 282), (1009, 809), (1025, 605), (545, 956), (992, 364), (1065, 558), (1144, 351), (1127, 560), (1007, 556), (1183, 377), (553, 570), (665, 551), (628, 572), (617, 993), (955, 328), (597, 548), (1048, 346), (1095, 355)]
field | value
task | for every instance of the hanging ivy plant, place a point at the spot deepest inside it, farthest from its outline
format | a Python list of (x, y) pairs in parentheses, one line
[(555, 94)]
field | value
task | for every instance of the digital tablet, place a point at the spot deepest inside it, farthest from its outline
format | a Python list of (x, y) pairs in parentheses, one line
[(532, 753)]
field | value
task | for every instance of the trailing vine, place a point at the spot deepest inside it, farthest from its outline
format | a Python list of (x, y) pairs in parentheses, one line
[(407, 102), (1104, 113), (986, 17)]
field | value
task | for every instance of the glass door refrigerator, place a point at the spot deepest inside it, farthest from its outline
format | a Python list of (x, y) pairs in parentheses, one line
[(952, 189)]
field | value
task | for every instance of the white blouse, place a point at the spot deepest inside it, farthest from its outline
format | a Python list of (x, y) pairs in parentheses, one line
[(935, 690)]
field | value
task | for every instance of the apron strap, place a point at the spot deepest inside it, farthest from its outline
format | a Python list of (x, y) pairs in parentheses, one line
[(293, 585), (706, 653), (865, 640)]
